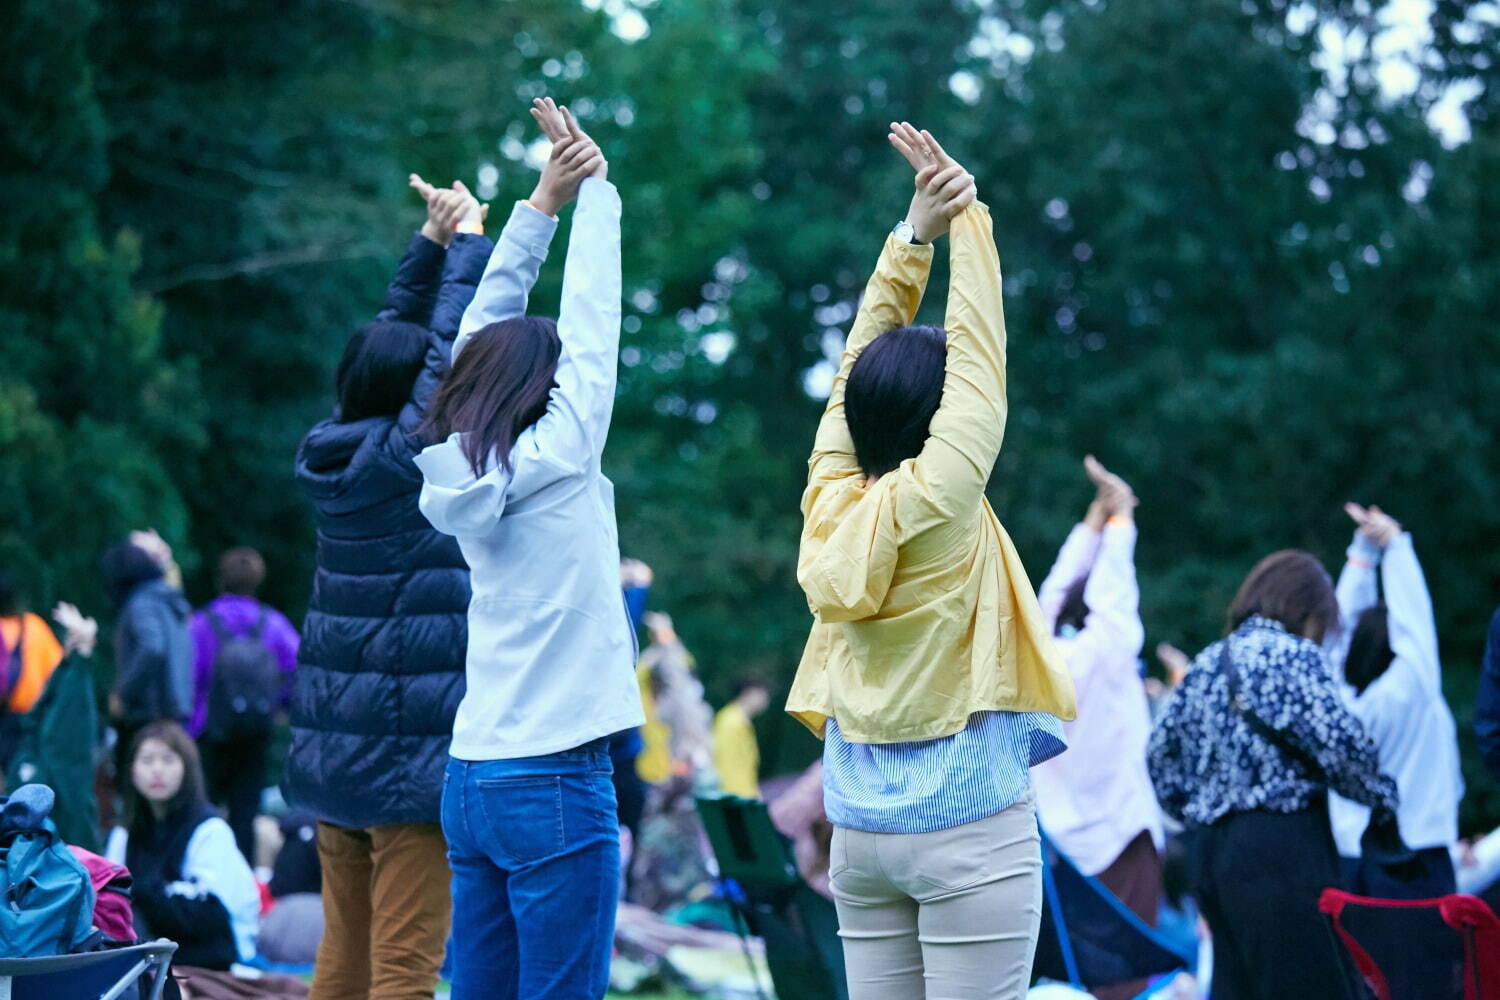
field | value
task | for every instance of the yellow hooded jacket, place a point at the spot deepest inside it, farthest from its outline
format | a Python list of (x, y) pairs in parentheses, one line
[(923, 612)]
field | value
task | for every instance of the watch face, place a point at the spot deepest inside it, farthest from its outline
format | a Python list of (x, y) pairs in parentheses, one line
[(906, 231)]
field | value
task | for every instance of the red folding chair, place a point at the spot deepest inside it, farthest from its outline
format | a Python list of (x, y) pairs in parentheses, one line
[(1419, 949)]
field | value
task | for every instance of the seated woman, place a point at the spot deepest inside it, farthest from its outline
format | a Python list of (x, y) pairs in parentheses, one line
[(191, 883), (929, 670)]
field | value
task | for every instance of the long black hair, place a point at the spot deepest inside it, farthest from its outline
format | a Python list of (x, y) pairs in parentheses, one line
[(379, 365), (1370, 650), (893, 390), (499, 386)]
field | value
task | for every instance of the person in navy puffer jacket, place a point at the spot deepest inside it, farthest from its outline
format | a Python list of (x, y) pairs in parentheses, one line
[(381, 667)]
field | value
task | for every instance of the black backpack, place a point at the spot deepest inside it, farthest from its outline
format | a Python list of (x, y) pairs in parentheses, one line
[(246, 683)]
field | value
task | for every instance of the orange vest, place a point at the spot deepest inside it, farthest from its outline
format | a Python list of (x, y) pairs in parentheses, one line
[(40, 655)]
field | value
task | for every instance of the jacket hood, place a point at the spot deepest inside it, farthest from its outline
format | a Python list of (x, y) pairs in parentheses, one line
[(332, 451), (850, 533), (162, 592), (453, 499)]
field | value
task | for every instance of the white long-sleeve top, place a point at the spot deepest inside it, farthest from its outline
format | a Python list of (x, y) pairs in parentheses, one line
[(1096, 798), (551, 660), (212, 865), (1403, 709)]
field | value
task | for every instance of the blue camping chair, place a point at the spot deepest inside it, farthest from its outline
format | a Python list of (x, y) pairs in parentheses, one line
[(1088, 937), (94, 975)]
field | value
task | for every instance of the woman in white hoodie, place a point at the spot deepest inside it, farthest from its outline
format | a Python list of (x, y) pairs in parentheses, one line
[(528, 805), (1388, 651), (1096, 801)]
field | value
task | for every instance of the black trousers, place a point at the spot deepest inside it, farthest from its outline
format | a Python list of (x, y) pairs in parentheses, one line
[(235, 771), (1257, 876)]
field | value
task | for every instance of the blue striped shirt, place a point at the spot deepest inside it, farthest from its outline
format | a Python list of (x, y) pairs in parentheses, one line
[(929, 785)]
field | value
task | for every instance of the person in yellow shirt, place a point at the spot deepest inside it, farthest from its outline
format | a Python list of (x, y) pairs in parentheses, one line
[(930, 671), (736, 752)]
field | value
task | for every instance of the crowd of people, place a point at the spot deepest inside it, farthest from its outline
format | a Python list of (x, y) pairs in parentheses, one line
[(483, 763)]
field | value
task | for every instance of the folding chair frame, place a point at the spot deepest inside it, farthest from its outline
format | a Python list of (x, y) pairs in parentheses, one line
[(154, 953), (1333, 901)]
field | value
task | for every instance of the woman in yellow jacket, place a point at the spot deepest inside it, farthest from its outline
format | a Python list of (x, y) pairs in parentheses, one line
[(930, 672)]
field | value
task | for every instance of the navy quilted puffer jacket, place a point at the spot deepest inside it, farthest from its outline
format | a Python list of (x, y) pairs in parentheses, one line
[(381, 669)]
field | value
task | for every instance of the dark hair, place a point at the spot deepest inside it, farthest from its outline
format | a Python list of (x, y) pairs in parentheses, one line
[(498, 387), (125, 567), (379, 365), (191, 797), (1290, 587), (893, 390), (1370, 650), (10, 598), (241, 571), (749, 682), (1074, 611)]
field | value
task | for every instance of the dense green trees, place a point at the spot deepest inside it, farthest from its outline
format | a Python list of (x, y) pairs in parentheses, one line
[(1247, 277)]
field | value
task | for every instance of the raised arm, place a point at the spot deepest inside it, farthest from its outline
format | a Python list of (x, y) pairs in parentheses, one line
[(1413, 633), (1358, 587), (1113, 595), (569, 439), (1074, 560), (891, 298), (588, 324), (413, 290), (463, 263), (965, 434), (511, 273)]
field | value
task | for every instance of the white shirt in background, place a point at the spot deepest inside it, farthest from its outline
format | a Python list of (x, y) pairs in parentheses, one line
[(212, 865), (1096, 798), (1403, 710)]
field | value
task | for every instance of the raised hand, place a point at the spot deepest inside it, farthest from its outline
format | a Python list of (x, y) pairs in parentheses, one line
[(941, 194), (576, 132), (1374, 524), (447, 208), (1113, 493), (943, 187), (1174, 660), (79, 632), (571, 161), (549, 118), (918, 146)]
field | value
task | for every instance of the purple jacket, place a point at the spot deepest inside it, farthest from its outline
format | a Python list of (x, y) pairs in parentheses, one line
[(239, 615)]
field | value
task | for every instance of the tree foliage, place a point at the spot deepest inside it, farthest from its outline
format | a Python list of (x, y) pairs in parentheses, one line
[(1252, 281)]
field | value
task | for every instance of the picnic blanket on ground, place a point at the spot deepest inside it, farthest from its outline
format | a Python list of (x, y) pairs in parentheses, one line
[(205, 984)]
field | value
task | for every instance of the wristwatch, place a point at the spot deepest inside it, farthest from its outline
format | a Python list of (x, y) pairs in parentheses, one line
[(904, 230)]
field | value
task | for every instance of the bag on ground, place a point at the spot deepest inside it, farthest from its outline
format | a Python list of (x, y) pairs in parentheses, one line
[(48, 899)]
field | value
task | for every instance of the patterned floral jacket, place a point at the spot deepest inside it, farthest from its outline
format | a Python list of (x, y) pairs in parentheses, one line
[(1206, 761)]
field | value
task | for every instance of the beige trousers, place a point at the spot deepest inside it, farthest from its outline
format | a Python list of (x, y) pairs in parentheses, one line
[(950, 915)]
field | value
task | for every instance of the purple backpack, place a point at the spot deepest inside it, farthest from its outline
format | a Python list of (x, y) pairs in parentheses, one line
[(113, 914)]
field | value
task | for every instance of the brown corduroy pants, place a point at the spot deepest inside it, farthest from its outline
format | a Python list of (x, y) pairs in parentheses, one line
[(386, 912)]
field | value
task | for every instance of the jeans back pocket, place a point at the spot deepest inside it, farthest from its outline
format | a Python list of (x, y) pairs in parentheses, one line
[(523, 816)]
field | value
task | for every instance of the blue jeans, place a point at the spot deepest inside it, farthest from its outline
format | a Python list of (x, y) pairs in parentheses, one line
[(534, 844)]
